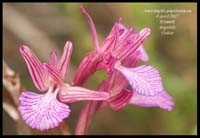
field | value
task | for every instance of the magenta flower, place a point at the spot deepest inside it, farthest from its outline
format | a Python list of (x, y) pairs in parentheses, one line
[(116, 84), (119, 54), (47, 110), (147, 89), (118, 45)]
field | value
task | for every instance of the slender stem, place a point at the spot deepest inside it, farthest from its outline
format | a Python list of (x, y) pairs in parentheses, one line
[(86, 117), (92, 28)]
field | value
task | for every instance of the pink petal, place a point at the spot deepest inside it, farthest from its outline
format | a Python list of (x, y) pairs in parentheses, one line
[(109, 61), (92, 28), (53, 59), (127, 35), (116, 81), (115, 36), (132, 41), (120, 100), (132, 60), (64, 62), (122, 29), (110, 41), (86, 68), (53, 73), (144, 55), (145, 80), (70, 94), (162, 100), (42, 111), (38, 74), (126, 38)]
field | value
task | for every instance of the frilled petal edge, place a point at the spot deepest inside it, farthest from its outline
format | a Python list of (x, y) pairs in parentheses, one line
[(42, 111), (162, 100), (144, 79)]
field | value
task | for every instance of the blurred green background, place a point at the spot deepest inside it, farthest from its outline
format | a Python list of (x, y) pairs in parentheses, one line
[(174, 56)]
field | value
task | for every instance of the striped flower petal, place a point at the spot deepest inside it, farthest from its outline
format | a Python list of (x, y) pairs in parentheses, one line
[(120, 100), (144, 55), (70, 94), (38, 73), (86, 68), (162, 100), (53, 59), (42, 111), (130, 43), (54, 74), (63, 64), (145, 80)]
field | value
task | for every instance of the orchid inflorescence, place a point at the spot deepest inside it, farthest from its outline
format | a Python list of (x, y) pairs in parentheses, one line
[(119, 54)]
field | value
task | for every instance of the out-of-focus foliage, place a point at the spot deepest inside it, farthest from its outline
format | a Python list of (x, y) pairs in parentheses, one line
[(174, 56)]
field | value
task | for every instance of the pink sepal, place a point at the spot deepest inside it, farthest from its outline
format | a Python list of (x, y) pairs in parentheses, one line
[(70, 94), (120, 100), (38, 73)]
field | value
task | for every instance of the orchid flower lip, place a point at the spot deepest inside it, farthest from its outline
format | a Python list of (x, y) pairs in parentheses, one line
[(45, 111)]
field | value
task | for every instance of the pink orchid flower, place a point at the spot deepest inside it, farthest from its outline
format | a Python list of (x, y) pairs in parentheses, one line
[(116, 84), (147, 88), (47, 110), (118, 45)]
